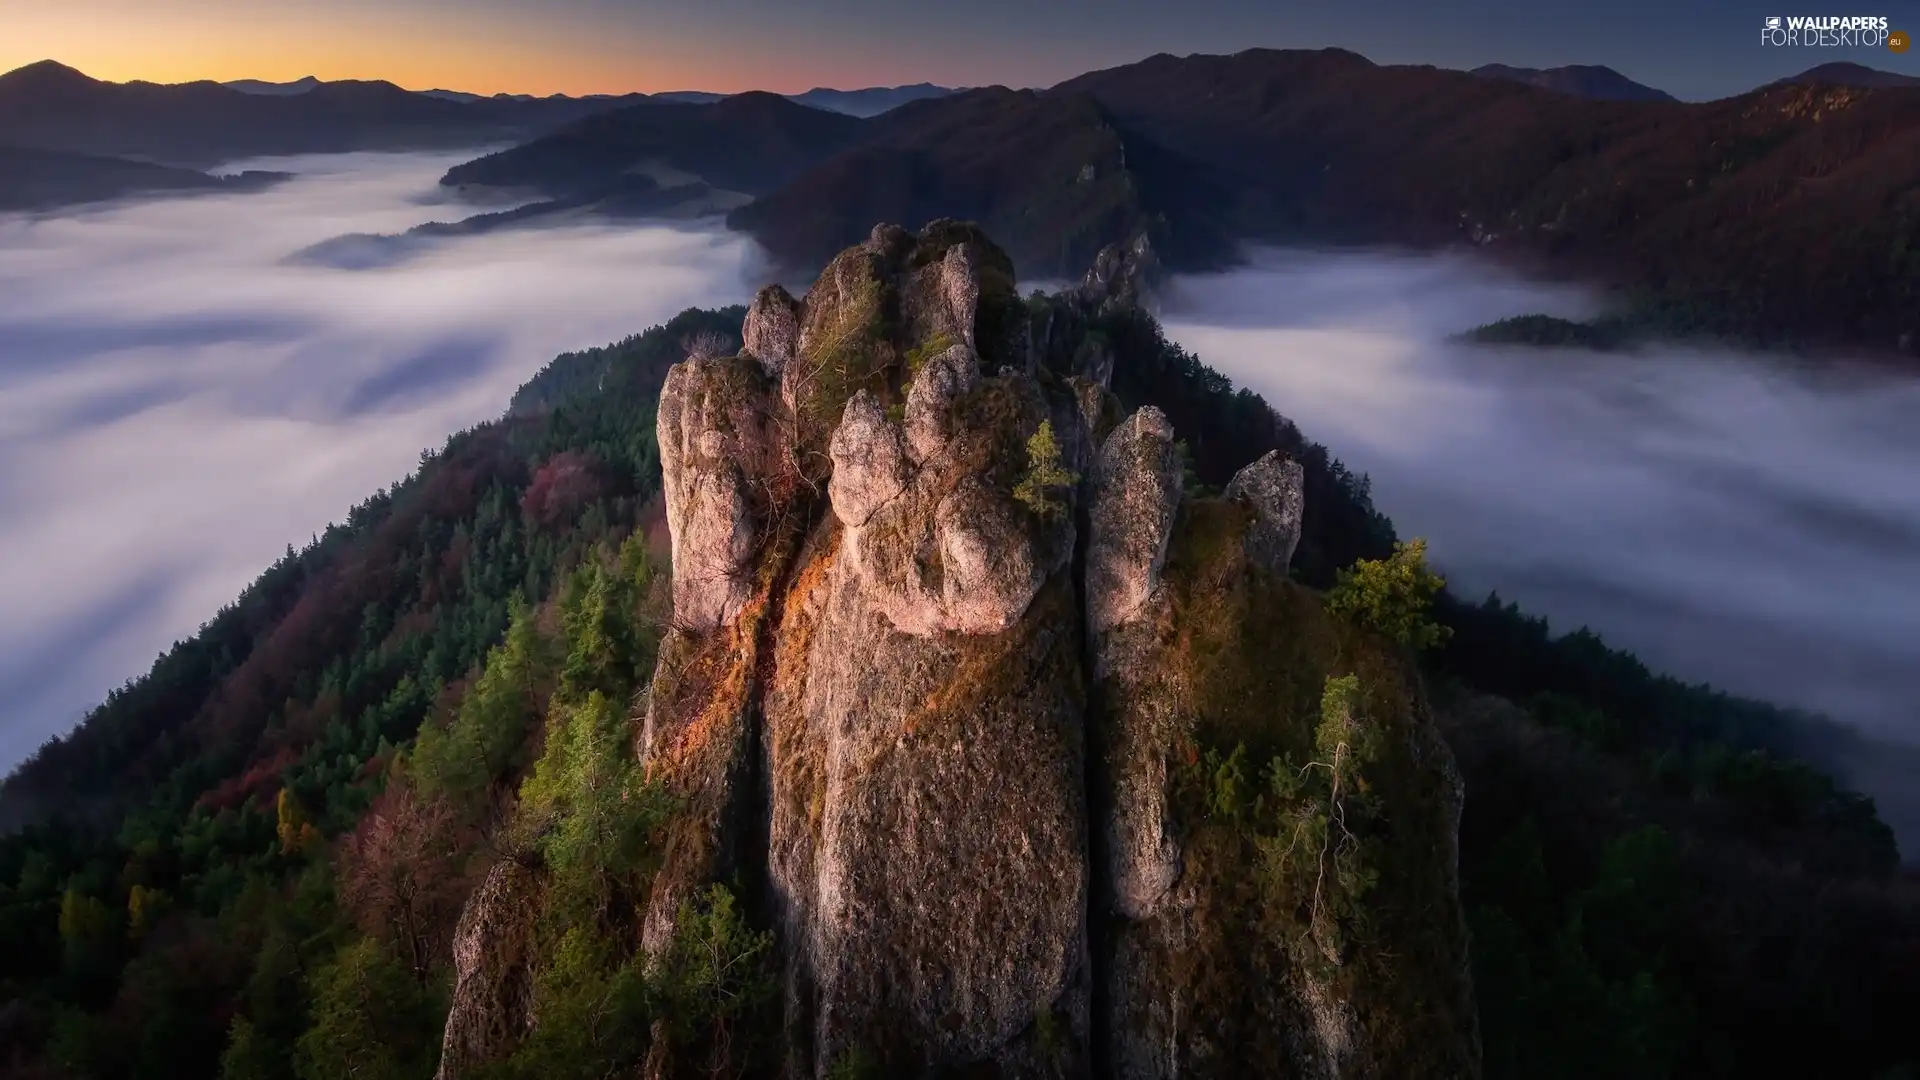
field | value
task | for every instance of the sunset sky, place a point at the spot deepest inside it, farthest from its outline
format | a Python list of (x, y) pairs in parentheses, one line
[(1692, 48)]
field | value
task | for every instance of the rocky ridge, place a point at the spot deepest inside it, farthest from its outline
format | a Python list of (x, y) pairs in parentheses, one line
[(944, 719)]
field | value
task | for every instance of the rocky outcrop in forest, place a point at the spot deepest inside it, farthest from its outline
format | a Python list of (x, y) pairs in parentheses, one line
[(1033, 763)]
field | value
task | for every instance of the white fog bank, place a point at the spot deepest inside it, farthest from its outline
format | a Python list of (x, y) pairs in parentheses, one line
[(1743, 520), (179, 400)]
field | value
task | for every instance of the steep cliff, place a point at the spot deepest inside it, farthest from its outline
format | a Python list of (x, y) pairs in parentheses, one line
[(970, 702)]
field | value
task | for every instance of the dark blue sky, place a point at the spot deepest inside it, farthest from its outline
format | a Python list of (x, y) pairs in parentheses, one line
[(1692, 48)]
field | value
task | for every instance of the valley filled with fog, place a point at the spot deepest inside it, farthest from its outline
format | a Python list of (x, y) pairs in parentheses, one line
[(1745, 520), (191, 384), (181, 397)]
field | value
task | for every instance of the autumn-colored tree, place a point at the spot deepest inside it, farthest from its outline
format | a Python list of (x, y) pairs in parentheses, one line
[(291, 825), (143, 907), (562, 485), (83, 919), (401, 874)]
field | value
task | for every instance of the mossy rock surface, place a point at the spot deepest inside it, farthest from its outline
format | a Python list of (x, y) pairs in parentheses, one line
[(1227, 678)]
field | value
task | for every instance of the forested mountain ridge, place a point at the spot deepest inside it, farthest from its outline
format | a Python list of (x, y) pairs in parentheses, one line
[(1784, 215), (271, 836), (43, 179), (49, 106)]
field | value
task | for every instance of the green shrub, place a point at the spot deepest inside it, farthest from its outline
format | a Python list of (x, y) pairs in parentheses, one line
[(370, 1020), (717, 981), (1392, 596)]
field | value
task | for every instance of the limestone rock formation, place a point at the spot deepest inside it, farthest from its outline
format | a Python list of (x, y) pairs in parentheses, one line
[(492, 1006), (1122, 274), (966, 768), (711, 426), (772, 329), (869, 465), (1273, 488), (1136, 491)]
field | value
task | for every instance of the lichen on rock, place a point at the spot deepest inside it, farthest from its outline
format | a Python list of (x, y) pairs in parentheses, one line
[(932, 397), (953, 551), (492, 1007)]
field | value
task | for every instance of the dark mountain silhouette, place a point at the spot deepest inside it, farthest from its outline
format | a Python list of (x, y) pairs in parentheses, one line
[(273, 89), (1780, 216), (690, 97), (53, 107), (1845, 74), (1581, 80), (871, 101), (751, 143), (45, 179), (1052, 174)]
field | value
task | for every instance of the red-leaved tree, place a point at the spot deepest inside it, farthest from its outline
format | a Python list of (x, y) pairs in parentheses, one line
[(402, 874)]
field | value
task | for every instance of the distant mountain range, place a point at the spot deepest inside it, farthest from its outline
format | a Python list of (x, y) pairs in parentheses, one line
[(33, 179), (50, 106), (1580, 80), (1789, 213), (871, 101), (1785, 214), (1844, 74)]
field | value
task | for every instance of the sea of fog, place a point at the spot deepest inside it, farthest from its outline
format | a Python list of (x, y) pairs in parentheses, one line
[(1744, 520), (181, 397)]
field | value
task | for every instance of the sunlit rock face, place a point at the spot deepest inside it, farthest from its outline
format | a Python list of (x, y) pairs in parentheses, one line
[(935, 683)]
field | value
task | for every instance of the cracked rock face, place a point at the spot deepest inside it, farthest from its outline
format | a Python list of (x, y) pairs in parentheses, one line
[(941, 299), (947, 551), (1136, 490), (1272, 486), (707, 426), (891, 728), (928, 834)]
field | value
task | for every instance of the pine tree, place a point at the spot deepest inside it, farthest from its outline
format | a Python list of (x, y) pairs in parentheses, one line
[(1044, 475)]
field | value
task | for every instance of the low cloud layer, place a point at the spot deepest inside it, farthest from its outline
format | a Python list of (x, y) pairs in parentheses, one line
[(1743, 520), (181, 397), (180, 400)]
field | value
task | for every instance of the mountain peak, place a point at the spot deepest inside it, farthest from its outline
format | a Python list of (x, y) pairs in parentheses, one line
[(283, 89), (1843, 73), (1595, 81), (47, 73)]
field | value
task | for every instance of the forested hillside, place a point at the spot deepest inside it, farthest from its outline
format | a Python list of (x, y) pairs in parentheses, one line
[(251, 861)]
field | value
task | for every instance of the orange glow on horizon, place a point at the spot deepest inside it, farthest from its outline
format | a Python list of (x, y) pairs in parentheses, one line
[(416, 53)]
